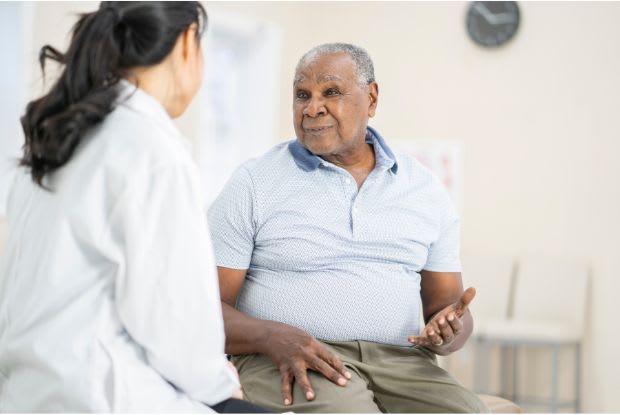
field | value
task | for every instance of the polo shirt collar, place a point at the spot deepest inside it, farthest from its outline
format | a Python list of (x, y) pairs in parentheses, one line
[(383, 154), (303, 157)]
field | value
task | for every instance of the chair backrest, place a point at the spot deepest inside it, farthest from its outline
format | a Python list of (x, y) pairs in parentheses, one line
[(552, 289), (491, 276)]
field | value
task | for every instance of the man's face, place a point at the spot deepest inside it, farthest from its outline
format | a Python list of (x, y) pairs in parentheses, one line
[(330, 108)]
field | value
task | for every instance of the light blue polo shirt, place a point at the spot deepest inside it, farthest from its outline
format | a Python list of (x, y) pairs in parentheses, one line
[(337, 262)]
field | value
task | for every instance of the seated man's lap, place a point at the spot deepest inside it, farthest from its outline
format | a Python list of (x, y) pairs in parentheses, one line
[(385, 379), (408, 379), (261, 384)]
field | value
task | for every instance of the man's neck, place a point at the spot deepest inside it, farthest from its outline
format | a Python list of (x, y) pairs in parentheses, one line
[(358, 164)]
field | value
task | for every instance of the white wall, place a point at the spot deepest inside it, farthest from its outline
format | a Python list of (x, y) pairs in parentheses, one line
[(538, 120)]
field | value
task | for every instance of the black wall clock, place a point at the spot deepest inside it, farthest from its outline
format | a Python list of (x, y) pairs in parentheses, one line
[(492, 23)]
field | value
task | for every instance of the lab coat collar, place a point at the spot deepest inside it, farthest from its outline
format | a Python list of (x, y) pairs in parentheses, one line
[(139, 101)]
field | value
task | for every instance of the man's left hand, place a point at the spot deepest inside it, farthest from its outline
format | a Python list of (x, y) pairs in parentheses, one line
[(445, 326)]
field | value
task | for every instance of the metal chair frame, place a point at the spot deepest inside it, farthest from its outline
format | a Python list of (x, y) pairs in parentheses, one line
[(528, 308), (510, 365)]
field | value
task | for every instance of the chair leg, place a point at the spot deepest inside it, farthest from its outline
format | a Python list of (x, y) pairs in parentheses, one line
[(505, 363), (515, 373), (555, 357), (578, 378), (482, 367)]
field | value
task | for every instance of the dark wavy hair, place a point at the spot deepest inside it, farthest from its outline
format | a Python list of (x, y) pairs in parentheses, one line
[(105, 46)]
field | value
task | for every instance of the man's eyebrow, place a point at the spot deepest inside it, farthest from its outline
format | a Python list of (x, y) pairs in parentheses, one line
[(328, 77), (321, 78)]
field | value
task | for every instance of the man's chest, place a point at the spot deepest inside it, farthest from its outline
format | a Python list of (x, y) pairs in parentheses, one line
[(335, 222)]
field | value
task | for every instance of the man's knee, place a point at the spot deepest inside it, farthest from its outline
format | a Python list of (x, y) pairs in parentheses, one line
[(462, 400)]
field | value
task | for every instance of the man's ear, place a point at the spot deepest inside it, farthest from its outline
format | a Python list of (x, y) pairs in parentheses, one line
[(373, 96)]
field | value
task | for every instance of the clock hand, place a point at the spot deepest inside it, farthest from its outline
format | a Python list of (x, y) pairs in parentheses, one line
[(494, 19), (482, 9), (503, 18)]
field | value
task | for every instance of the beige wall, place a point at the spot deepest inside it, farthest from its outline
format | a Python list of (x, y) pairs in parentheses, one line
[(538, 120)]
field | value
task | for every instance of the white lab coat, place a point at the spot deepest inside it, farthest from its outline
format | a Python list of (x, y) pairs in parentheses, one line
[(108, 293)]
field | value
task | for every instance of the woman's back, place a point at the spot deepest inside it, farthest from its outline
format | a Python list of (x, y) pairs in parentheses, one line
[(87, 274)]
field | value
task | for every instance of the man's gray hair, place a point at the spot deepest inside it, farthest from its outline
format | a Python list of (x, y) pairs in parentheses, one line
[(361, 59)]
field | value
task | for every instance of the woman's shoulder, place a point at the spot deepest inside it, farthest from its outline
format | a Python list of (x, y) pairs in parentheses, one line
[(132, 140)]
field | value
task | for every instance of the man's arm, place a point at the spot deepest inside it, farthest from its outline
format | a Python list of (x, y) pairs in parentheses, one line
[(448, 320), (292, 350), (244, 334)]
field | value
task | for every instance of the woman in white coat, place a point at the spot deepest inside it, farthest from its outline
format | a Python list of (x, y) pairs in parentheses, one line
[(108, 293)]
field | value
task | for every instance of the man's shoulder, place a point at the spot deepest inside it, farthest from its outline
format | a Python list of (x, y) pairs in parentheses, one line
[(411, 168), (408, 167)]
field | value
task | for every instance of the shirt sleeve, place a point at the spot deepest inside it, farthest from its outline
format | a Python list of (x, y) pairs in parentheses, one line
[(232, 222), (167, 293), (444, 252)]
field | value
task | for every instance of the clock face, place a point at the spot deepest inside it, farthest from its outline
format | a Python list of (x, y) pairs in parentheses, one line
[(492, 23)]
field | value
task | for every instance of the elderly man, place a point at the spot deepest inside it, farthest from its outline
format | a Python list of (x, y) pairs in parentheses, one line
[(326, 246)]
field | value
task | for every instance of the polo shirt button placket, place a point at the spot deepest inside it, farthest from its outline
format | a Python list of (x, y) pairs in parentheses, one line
[(355, 212)]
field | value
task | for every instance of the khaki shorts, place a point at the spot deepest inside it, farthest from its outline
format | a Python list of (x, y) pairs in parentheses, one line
[(385, 379)]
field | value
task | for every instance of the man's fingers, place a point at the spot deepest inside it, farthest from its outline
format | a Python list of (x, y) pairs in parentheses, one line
[(286, 378), (433, 332), (435, 338), (301, 378), (455, 323), (444, 326), (446, 330), (329, 372), (464, 301), (425, 338), (423, 341), (335, 362), (420, 340)]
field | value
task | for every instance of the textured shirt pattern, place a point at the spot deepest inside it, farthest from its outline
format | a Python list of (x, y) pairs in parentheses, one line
[(340, 263)]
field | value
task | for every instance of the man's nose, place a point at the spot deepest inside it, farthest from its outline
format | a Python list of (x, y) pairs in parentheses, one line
[(315, 108)]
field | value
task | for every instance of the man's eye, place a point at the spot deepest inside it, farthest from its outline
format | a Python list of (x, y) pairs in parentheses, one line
[(332, 92), (301, 95)]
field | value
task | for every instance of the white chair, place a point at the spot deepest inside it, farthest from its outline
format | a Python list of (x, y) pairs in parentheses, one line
[(492, 276), (549, 307)]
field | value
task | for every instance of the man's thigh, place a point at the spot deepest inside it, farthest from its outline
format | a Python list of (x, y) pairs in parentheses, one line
[(408, 379), (260, 381)]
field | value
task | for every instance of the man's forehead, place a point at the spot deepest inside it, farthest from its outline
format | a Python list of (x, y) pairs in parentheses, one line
[(328, 67), (320, 77), (330, 71)]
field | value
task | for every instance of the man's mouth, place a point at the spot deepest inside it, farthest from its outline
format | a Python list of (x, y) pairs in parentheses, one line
[(317, 130)]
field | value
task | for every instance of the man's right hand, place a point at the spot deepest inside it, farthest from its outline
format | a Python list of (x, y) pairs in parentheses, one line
[(294, 352)]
